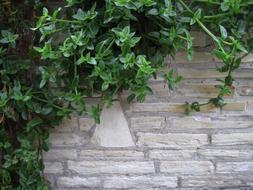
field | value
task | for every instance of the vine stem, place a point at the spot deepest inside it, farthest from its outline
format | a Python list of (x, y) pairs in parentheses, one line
[(75, 72), (55, 106), (204, 27)]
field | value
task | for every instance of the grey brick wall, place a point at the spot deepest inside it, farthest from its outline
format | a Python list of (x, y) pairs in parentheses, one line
[(208, 150)]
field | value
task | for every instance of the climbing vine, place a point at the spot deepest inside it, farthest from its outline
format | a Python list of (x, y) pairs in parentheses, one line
[(52, 59)]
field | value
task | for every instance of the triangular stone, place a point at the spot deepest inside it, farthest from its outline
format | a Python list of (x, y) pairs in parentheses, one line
[(113, 130)]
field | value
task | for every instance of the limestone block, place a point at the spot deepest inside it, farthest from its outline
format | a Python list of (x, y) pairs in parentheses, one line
[(65, 139), (226, 154), (196, 122), (180, 107), (200, 39), (187, 167), (111, 154), (113, 130), (174, 155), (245, 90), (232, 139), (191, 73), (111, 167), (149, 122), (210, 181), (199, 57), (234, 167), (53, 168), (60, 154), (141, 182), (199, 91), (67, 125), (86, 124), (78, 182), (171, 140)]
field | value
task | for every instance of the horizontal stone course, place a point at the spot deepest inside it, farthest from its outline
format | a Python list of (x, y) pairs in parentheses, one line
[(199, 57), (78, 182), (60, 154), (110, 167), (191, 73), (86, 124), (226, 154), (234, 167), (232, 139), (53, 167), (181, 108), (199, 91), (144, 123), (111, 154), (141, 182), (66, 139), (245, 90), (171, 140), (187, 167), (198, 122), (210, 181), (174, 155)]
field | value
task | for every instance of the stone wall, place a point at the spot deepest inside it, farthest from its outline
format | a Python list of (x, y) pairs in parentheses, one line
[(154, 145)]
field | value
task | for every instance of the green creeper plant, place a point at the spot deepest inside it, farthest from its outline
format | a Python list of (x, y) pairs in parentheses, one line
[(100, 47)]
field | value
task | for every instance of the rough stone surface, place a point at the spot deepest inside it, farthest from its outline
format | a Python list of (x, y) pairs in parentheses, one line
[(232, 139), (110, 167), (187, 167), (78, 182), (172, 154), (111, 154), (61, 154), (194, 122), (210, 181), (153, 145), (144, 123), (113, 130), (172, 140), (234, 167), (226, 154), (86, 124), (141, 182), (53, 168), (66, 139)]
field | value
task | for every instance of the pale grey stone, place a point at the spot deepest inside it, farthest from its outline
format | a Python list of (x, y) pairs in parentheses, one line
[(111, 167), (149, 122), (200, 39), (195, 122), (224, 154), (187, 167), (65, 139), (245, 90), (234, 167), (53, 168), (67, 125), (60, 154), (142, 182), (111, 154), (78, 182), (210, 181), (113, 130), (232, 139), (86, 124), (172, 140), (172, 154)]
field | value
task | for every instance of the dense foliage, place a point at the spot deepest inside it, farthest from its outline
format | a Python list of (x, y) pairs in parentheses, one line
[(100, 48)]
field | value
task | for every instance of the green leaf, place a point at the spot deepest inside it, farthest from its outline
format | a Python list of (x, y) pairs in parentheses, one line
[(223, 32), (33, 123)]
